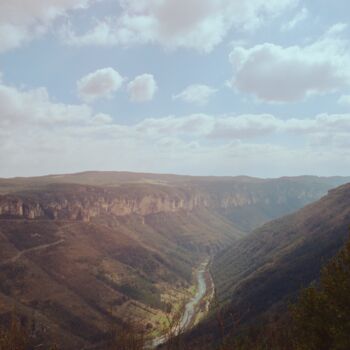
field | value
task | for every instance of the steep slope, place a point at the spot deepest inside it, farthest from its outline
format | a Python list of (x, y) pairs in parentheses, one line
[(251, 202), (80, 202), (99, 249), (131, 249), (264, 270), (247, 202)]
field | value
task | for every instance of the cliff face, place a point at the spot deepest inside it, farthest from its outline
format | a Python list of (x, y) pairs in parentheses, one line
[(58, 264), (74, 273), (248, 205), (87, 203), (16, 207)]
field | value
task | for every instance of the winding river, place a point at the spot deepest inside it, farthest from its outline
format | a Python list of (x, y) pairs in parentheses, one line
[(192, 307)]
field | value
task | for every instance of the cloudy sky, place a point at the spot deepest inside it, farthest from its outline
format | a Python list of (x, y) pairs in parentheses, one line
[(203, 87)]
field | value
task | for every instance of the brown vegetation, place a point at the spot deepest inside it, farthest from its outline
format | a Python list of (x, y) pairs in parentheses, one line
[(80, 266), (320, 320)]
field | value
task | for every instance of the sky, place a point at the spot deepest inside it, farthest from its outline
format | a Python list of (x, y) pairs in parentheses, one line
[(200, 87)]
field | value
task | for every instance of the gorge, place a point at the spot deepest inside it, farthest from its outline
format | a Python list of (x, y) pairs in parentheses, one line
[(132, 241)]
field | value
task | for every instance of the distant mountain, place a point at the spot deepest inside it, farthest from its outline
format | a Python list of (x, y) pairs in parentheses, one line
[(246, 201), (261, 273), (83, 251), (251, 202)]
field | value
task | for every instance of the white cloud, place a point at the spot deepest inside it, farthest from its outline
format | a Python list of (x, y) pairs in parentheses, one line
[(198, 94), (101, 119), (243, 150), (21, 108), (38, 135), (301, 16), (198, 24), (21, 20), (12, 36), (26, 109), (344, 100), (41, 136), (337, 29), (99, 84), (322, 124), (283, 74), (242, 127), (142, 88)]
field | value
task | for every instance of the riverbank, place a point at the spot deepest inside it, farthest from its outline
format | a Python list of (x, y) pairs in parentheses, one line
[(204, 306), (195, 309)]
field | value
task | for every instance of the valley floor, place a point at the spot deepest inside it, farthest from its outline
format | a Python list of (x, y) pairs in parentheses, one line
[(195, 309)]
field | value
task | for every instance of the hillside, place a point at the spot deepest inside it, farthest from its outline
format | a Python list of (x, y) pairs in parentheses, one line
[(246, 201), (262, 272), (82, 253), (133, 260)]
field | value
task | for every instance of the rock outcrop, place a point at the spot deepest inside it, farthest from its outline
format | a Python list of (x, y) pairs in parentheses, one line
[(84, 203), (248, 204)]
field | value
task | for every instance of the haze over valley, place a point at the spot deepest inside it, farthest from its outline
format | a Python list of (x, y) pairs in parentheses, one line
[(134, 242), (174, 175)]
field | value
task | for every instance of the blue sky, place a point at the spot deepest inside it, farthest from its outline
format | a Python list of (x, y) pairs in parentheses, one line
[(204, 87)]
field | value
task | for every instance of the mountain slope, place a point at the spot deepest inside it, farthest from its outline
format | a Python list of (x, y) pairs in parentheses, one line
[(133, 260), (264, 270), (247, 202), (251, 202), (101, 249)]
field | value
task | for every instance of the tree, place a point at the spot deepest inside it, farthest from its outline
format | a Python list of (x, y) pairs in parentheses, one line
[(322, 314), (15, 337)]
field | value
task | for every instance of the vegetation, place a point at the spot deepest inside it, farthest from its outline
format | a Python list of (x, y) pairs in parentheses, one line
[(14, 338), (130, 338), (112, 267), (18, 337), (141, 290), (265, 271), (320, 320), (322, 316)]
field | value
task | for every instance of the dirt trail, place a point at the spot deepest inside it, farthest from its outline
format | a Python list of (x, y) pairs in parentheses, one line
[(34, 249)]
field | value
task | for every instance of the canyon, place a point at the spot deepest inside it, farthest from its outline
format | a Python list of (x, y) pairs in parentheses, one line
[(82, 254), (260, 276)]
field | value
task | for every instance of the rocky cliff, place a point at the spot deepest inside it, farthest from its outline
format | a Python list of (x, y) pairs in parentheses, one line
[(81, 258), (84, 203), (247, 203)]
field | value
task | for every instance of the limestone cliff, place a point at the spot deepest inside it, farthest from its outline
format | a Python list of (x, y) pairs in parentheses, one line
[(84, 203), (247, 204)]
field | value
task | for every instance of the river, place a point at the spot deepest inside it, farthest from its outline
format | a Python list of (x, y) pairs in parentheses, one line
[(192, 307)]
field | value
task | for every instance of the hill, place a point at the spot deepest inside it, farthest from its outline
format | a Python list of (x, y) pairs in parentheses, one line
[(260, 274), (84, 252), (248, 202)]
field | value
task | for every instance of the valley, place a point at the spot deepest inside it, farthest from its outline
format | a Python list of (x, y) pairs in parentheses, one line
[(174, 175), (84, 254), (193, 310), (260, 275)]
